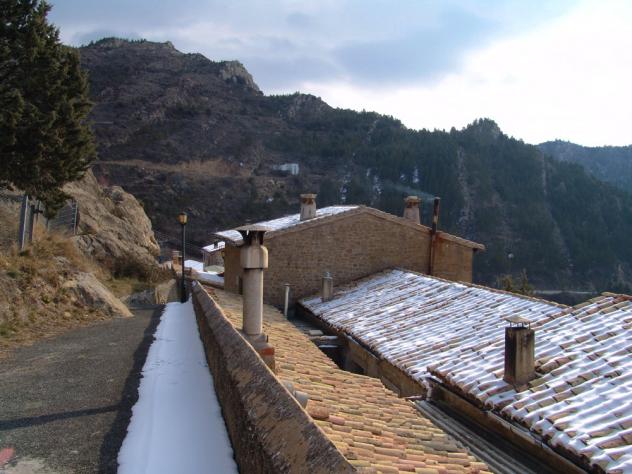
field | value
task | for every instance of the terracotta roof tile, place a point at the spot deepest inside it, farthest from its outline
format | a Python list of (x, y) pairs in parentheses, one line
[(371, 426)]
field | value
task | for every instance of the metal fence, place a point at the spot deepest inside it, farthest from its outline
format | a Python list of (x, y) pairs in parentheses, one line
[(21, 218), (66, 219)]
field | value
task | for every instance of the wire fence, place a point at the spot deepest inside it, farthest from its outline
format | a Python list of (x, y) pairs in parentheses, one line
[(66, 220), (21, 218)]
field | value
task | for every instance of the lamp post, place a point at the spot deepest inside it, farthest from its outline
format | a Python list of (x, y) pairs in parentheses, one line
[(182, 219)]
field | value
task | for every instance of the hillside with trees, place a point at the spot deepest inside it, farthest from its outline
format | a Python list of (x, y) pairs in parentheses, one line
[(612, 164), (182, 132)]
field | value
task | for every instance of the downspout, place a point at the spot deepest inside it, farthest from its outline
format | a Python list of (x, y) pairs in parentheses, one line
[(433, 235)]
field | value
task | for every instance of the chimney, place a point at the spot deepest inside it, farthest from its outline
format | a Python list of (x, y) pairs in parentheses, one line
[(254, 259), (327, 288), (308, 206), (411, 211), (519, 351)]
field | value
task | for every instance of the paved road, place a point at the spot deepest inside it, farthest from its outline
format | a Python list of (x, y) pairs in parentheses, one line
[(65, 402)]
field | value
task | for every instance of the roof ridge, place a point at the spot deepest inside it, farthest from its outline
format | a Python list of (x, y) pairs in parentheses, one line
[(354, 209), (482, 287)]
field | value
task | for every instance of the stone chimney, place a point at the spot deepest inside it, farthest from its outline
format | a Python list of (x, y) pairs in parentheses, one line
[(519, 351), (327, 288), (254, 259), (411, 210), (308, 206)]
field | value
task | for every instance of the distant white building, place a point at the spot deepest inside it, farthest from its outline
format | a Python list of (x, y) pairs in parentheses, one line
[(291, 168)]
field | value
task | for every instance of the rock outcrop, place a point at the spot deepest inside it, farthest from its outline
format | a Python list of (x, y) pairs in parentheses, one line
[(90, 292), (235, 72), (113, 227)]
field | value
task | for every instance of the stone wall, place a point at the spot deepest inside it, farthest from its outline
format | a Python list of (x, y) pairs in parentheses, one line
[(232, 269), (452, 261), (212, 258), (351, 247), (269, 430)]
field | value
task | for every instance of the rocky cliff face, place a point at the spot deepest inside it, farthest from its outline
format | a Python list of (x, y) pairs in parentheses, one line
[(113, 227)]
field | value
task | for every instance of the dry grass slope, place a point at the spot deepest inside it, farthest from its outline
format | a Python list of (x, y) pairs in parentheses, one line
[(40, 296)]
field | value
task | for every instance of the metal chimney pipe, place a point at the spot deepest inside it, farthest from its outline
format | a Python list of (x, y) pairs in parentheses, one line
[(519, 351), (254, 259), (286, 299), (308, 206), (433, 234), (435, 214), (327, 289), (411, 209)]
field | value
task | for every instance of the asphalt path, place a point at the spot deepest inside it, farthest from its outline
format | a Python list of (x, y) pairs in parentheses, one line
[(65, 402)]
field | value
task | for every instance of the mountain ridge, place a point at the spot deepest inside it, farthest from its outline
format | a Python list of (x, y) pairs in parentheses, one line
[(612, 164), (180, 134)]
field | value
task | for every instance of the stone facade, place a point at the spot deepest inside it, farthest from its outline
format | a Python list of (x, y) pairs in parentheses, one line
[(451, 260), (349, 246), (213, 258)]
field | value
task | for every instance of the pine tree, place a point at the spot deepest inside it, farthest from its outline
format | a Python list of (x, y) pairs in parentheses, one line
[(45, 141)]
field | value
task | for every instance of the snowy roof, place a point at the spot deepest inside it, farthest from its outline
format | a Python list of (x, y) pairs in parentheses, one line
[(214, 247), (581, 400), (286, 222), (294, 222), (397, 313)]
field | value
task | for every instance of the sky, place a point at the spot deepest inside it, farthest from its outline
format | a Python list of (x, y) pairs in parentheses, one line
[(543, 70)]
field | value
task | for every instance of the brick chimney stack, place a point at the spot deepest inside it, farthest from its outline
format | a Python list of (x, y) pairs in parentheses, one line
[(254, 259), (308, 206), (519, 351), (411, 210)]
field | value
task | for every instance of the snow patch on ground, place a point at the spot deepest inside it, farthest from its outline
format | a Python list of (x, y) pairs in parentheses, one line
[(177, 423), (195, 265)]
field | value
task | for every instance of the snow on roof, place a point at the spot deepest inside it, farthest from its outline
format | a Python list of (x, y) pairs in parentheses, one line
[(286, 222), (214, 247), (413, 320), (581, 400)]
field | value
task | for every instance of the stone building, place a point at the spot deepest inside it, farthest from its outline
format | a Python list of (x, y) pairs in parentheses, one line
[(213, 254), (349, 242)]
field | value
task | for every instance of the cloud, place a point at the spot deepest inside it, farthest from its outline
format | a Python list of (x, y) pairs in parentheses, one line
[(567, 79), (285, 43), (420, 55)]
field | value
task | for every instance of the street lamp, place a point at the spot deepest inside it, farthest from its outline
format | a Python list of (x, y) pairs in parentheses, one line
[(182, 219)]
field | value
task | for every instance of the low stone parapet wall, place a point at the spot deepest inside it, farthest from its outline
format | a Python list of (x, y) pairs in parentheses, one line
[(269, 430)]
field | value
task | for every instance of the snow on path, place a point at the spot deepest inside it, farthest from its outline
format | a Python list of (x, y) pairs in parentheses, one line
[(177, 423)]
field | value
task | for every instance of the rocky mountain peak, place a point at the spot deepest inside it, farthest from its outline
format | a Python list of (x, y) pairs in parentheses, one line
[(235, 72), (485, 126)]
